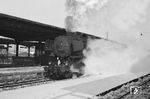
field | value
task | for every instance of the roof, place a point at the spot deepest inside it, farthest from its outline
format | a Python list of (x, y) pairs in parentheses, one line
[(21, 29), (25, 30)]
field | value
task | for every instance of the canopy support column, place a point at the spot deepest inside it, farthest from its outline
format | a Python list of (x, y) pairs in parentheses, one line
[(17, 48), (28, 51), (7, 49)]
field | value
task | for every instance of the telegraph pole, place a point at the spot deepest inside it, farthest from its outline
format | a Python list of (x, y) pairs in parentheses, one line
[(107, 35)]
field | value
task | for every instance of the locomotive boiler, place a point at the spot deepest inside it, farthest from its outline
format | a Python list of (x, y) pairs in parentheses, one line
[(64, 52)]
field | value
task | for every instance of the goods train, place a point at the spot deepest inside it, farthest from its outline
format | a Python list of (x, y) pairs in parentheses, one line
[(64, 53)]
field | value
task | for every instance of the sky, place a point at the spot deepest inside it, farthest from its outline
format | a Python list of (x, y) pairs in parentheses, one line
[(50, 12)]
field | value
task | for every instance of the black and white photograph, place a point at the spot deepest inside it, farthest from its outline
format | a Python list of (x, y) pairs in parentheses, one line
[(74, 49)]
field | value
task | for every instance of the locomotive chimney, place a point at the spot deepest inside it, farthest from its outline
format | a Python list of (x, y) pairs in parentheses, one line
[(69, 25)]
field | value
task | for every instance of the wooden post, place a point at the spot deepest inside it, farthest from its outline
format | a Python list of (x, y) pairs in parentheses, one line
[(7, 49), (28, 51), (40, 53), (107, 35), (17, 49)]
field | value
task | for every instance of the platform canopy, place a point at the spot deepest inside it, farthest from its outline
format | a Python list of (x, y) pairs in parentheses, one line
[(25, 30)]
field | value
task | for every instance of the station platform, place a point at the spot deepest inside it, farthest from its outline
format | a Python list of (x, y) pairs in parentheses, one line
[(80, 88)]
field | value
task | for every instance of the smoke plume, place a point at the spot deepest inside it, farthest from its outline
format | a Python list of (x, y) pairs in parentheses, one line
[(124, 21)]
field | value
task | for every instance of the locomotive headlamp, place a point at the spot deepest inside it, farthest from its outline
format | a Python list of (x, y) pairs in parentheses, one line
[(49, 63)]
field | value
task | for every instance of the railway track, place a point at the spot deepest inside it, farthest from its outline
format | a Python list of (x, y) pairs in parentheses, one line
[(24, 83), (33, 81), (131, 90), (13, 78)]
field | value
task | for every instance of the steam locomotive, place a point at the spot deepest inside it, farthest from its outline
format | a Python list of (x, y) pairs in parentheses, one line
[(65, 55)]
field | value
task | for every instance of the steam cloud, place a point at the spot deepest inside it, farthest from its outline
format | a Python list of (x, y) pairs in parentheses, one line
[(124, 21)]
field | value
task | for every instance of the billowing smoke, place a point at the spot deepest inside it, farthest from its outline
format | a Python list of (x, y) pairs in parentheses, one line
[(123, 21), (70, 24)]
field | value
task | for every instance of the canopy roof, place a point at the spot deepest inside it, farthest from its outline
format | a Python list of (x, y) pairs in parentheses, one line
[(25, 30)]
